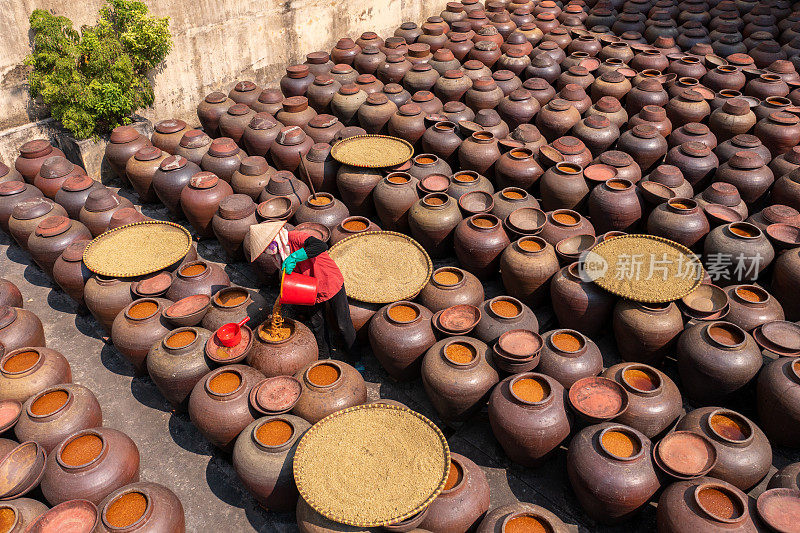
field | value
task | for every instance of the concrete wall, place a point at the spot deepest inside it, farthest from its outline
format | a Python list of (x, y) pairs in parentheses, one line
[(216, 42)]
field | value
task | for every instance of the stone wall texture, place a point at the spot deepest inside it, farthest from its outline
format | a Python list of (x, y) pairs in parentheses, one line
[(216, 43)]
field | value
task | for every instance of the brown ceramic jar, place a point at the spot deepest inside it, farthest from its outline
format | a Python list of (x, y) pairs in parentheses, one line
[(219, 403), (52, 236), (611, 471), (779, 132), (563, 223), (27, 215), (324, 209), (13, 193), (479, 241), (197, 277), (748, 249), (695, 505), (451, 286), (464, 500), (244, 92), (355, 187), (777, 394), (290, 146), (399, 335), (432, 221), (162, 511), (137, 327), (743, 141), (140, 170), (680, 220), (393, 198), (526, 267), (99, 207), (345, 51), (563, 186), (283, 356), (609, 107), (53, 173), (744, 455), (501, 314), (479, 153), (655, 116), (523, 514), (320, 93), (296, 80), (27, 371), (688, 106), (74, 192), (232, 221), (178, 362), (567, 356), (615, 205), (734, 117), (556, 118), (209, 111), (328, 386), (90, 465), (57, 412), (750, 306), (168, 133), (252, 176), (578, 303), (644, 143), (200, 200), (457, 375), (123, 143), (233, 123), (223, 158), (173, 174), (646, 333), (105, 297), (259, 135), (32, 155), (748, 172)]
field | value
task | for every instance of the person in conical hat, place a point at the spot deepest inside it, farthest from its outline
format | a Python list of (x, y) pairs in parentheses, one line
[(298, 251)]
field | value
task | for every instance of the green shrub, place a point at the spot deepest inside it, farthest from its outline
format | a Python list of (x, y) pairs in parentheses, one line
[(93, 81)]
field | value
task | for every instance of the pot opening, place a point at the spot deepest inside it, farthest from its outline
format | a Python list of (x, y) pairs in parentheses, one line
[(49, 402), (719, 502), (513, 194), (398, 179), (82, 450), (193, 270), (682, 204), (434, 200), (618, 184), (566, 217), (569, 168), (621, 443), (225, 382), (125, 510), (531, 244), (460, 353), (403, 313), (485, 221), (274, 433), (454, 476), (278, 334), (751, 293), (142, 310), (181, 339), (8, 519), (744, 229), (730, 426), (356, 224), (21, 361), (506, 308), (464, 177), (424, 160), (231, 297), (641, 378), (324, 374), (656, 306), (319, 200), (526, 523), (727, 335), (531, 390), (568, 341), (448, 277)]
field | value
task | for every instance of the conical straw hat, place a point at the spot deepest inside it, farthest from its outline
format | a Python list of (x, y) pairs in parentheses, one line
[(261, 235)]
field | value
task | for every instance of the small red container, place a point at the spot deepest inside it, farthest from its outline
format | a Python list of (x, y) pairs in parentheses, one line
[(299, 289), (230, 334)]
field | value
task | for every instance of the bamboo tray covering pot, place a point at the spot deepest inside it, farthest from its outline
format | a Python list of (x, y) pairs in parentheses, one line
[(137, 249), (380, 267), (372, 151), (371, 465), (667, 270)]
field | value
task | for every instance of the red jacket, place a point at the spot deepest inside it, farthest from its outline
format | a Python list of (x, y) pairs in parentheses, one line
[(322, 267)]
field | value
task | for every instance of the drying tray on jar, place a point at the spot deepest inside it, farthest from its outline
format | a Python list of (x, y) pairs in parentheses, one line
[(644, 268), (380, 267), (371, 465), (372, 151), (137, 249)]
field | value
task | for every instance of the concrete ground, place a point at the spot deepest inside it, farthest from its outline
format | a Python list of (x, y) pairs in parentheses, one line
[(175, 454)]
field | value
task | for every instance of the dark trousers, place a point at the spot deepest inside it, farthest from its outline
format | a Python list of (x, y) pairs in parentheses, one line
[(341, 313)]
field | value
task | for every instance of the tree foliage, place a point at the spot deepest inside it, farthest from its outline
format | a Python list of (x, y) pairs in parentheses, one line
[(93, 81)]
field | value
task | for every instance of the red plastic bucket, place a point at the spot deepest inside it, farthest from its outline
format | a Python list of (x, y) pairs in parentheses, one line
[(299, 289)]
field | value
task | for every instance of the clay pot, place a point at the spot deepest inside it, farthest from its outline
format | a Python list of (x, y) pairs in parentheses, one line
[(27, 215), (424, 165), (567, 356), (450, 286), (733, 118), (407, 123), (526, 267), (12, 194), (748, 247), (400, 334), (53, 173), (262, 458), (163, 510), (173, 174), (611, 455), (509, 200), (210, 109), (219, 403), (644, 143), (466, 181), (750, 306), (376, 112), (324, 209), (355, 187), (178, 362), (233, 123), (779, 132), (296, 80), (137, 327), (123, 143), (693, 505), (744, 454), (321, 167), (715, 360), (656, 117), (105, 297), (563, 223), (32, 155), (432, 221), (785, 478), (463, 502), (563, 186), (786, 272), (244, 92), (478, 242), (517, 168), (283, 356), (654, 401), (502, 313), (22, 512), (615, 206), (57, 412), (680, 220), (260, 134), (688, 106), (232, 304), (442, 140), (646, 333), (51, 237), (527, 514), (345, 51), (200, 200), (10, 295), (27, 371), (100, 206), (223, 158), (609, 107), (393, 197), (479, 153), (457, 375), (140, 170), (90, 465), (197, 277), (556, 118), (328, 386), (671, 177), (778, 387), (578, 303), (252, 177), (232, 222), (351, 226)]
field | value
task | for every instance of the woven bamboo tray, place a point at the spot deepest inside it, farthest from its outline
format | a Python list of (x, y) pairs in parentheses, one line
[(381, 267), (644, 268), (372, 151), (137, 249), (356, 466)]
